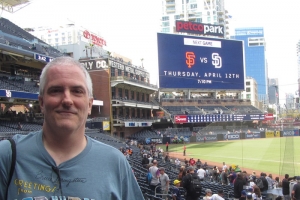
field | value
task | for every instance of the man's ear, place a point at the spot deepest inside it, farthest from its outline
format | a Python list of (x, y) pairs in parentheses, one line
[(41, 103), (90, 105)]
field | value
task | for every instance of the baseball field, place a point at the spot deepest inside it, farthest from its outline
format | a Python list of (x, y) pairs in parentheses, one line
[(271, 155)]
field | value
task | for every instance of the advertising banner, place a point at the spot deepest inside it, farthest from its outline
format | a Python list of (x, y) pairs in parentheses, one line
[(189, 62), (289, 133), (199, 28), (252, 135), (106, 125), (208, 138), (232, 136), (271, 134), (154, 140), (217, 118)]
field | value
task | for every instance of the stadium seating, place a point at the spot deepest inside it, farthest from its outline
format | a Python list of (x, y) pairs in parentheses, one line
[(16, 37)]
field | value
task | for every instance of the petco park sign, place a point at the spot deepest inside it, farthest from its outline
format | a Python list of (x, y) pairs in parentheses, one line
[(199, 28)]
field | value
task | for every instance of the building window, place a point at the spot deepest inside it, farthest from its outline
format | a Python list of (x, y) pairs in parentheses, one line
[(137, 96), (248, 90), (143, 97), (49, 35), (166, 24), (247, 83), (56, 39), (49, 41), (62, 33), (165, 30), (63, 39), (126, 94), (112, 72), (176, 17), (193, 6), (113, 92), (248, 96), (56, 34), (132, 95), (166, 18), (126, 74), (120, 92), (119, 72)]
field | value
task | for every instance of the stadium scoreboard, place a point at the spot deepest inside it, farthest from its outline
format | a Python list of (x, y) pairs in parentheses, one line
[(189, 62), (217, 118)]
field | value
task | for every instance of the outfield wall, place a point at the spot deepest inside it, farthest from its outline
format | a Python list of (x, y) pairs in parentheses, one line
[(223, 137)]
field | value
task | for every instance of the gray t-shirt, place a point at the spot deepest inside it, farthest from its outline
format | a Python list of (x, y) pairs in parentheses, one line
[(98, 172), (164, 178), (154, 172)]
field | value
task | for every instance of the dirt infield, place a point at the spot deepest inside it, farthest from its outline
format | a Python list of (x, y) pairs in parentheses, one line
[(181, 157)]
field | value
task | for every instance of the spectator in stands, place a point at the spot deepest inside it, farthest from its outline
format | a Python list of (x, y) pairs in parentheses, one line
[(164, 182), (61, 150), (155, 177), (167, 146), (224, 178), (286, 187), (176, 195), (296, 190), (181, 173), (253, 176), (201, 173), (231, 177), (270, 182), (243, 195), (224, 166), (167, 158), (192, 162), (218, 196), (208, 194), (19, 126), (198, 164), (177, 163), (215, 174), (238, 186), (256, 193), (145, 162), (265, 183), (277, 183), (150, 158)]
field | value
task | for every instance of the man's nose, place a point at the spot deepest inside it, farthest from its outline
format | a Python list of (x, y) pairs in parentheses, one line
[(67, 98)]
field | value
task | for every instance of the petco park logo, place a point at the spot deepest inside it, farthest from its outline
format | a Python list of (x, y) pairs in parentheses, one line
[(199, 28), (180, 119)]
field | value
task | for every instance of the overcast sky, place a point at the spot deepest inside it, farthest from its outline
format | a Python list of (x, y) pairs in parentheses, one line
[(130, 27)]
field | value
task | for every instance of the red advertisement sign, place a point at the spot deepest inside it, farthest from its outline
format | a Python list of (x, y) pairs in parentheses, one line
[(180, 118), (94, 38), (269, 117)]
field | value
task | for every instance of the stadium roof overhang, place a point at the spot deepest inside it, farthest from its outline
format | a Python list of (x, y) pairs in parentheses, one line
[(14, 56), (12, 6)]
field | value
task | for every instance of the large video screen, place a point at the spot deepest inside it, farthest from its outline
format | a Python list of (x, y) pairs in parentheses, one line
[(189, 62)]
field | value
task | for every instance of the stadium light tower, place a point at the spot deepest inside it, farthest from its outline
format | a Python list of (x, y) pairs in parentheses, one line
[(13, 6)]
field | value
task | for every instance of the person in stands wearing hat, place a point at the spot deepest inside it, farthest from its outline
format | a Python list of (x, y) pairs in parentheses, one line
[(208, 194), (164, 182), (218, 196), (296, 190), (176, 195)]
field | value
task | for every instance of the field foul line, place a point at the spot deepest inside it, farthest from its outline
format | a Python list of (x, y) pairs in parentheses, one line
[(275, 161)]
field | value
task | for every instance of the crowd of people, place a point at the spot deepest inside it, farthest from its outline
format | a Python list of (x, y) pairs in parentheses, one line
[(244, 185)]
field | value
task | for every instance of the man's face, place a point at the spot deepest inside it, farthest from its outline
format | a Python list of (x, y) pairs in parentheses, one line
[(65, 102)]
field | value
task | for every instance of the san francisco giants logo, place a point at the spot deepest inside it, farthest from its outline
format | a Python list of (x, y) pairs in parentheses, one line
[(190, 59)]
